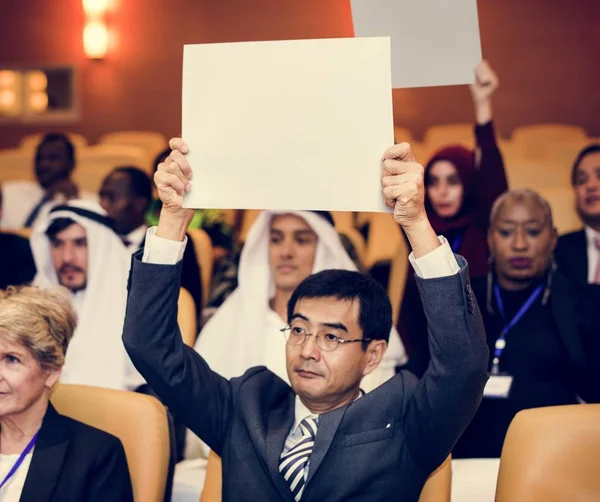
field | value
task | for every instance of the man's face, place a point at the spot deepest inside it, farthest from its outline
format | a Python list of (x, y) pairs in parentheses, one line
[(292, 250), (70, 257), (327, 379), (119, 202), (52, 163)]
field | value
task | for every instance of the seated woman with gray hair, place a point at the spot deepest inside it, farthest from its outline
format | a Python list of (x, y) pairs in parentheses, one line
[(542, 330), (45, 456)]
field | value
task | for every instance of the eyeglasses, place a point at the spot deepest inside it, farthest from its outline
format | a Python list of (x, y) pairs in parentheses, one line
[(296, 335)]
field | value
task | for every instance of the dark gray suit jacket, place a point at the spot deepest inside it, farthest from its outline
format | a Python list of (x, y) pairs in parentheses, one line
[(381, 447)]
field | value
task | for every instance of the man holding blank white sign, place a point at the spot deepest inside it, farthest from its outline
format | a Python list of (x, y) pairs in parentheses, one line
[(321, 438)]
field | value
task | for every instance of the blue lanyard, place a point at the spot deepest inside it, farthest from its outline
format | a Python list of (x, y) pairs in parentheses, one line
[(501, 341), (456, 242), (19, 461)]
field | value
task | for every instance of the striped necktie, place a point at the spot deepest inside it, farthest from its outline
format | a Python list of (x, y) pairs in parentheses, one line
[(293, 463)]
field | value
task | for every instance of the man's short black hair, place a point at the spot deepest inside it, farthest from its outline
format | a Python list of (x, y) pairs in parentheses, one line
[(62, 138), (140, 183), (375, 309), (588, 150), (57, 226)]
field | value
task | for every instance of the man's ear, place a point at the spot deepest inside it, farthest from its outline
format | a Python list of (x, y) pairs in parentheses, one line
[(375, 352)]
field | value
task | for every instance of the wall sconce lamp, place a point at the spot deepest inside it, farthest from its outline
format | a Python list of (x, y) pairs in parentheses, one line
[(95, 32)]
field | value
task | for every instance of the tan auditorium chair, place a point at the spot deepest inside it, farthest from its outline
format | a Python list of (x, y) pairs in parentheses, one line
[(151, 142), (436, 489), (138, 420), (31, 141), (98, 161), (450, 134), (397, 280), (552, 455), (204, 256), (16, 164), (186, 317), (548, 132)]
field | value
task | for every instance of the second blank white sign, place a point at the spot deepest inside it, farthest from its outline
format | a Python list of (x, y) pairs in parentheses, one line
[(434, 42)]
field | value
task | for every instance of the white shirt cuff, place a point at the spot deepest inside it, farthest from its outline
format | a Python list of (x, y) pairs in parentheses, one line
[(438, 263), (159, 251)]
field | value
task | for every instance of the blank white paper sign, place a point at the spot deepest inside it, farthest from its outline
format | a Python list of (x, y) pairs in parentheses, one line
[(293, 125), (434, 42)]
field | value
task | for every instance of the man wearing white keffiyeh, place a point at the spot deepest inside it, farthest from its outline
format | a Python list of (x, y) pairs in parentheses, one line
[(77, 248)]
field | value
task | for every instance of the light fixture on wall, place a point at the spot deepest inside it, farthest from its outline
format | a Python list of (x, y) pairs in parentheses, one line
[(10, 85), (95, 40), (95, 32), (95, 8)]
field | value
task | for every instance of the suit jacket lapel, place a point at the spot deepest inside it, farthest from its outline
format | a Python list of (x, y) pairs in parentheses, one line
[(280, 422), (48, 458), (327, 428)]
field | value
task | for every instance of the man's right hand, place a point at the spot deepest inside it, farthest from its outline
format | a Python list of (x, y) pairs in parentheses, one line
[(172, 179)]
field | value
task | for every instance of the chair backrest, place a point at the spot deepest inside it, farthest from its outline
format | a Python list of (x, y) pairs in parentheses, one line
[(438, 486), (31, 141), (138, 420), (151, 142), (450, 134), (397, 280), (21, 232), (16, 164), (384, 238), (402, 135), (562, 202), (548, 132), (204, 256), (551, 454), (436, 489), (534, 174), (186, 317), (98, 161), (248, 219), (342, 220)]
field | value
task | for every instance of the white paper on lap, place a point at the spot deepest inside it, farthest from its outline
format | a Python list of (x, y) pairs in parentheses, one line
[(288, 125)]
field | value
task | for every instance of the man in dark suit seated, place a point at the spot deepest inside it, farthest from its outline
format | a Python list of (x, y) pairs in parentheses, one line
[(578, 253), (321, 438)]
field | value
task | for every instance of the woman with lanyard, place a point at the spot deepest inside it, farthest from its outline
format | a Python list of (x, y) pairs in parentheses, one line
[(461, 187), (542, 330), (45, 456)]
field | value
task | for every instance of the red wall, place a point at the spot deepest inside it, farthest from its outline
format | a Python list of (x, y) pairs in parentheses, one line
[(546, 52)]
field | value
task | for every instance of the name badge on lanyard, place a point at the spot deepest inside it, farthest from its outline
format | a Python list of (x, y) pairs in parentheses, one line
[(20, 460), (499, 384)]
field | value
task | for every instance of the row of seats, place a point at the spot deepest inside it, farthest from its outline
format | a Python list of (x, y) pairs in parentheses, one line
[(549, 453)]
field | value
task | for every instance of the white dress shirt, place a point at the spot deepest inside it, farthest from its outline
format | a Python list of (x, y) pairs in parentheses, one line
[(593, 253), (11, 491)]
